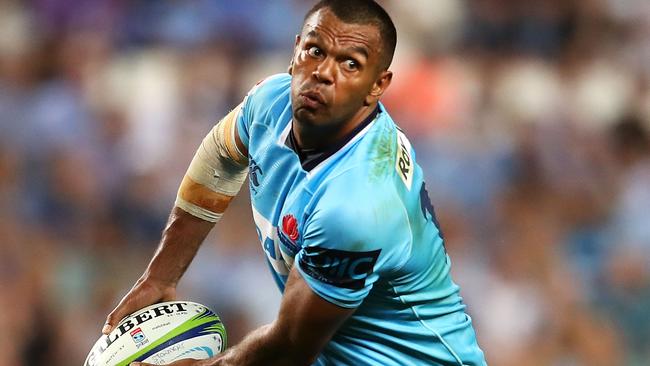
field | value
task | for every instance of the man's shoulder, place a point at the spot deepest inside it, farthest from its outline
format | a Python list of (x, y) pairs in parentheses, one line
[(368, 167), (266, 101), (358, 192), (270, 87), (360, 214), (370, 181)]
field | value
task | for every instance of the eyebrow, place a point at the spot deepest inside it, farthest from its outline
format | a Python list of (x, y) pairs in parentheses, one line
[(357, 49)]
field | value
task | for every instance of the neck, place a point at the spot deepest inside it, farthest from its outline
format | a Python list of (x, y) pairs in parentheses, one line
[(308, 136)]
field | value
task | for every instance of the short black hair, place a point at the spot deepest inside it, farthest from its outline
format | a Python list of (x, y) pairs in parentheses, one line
[(364, 12)]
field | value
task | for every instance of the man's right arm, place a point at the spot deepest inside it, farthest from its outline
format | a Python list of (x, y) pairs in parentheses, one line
[(213, 178), (181, 239)]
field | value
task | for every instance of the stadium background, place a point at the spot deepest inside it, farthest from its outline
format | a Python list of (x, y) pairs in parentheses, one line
[(530, 119)]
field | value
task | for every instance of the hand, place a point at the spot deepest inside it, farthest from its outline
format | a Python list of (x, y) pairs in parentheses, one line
[(144, 293)]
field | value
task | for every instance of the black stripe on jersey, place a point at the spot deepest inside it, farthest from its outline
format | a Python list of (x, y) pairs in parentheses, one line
[(310, 158)]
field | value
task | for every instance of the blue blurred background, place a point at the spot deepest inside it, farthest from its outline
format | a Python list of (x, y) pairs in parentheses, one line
[(530, 119)]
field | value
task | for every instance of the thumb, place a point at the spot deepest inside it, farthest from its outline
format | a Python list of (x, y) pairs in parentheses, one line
[(141, 295), (112, 319), (108, 327)]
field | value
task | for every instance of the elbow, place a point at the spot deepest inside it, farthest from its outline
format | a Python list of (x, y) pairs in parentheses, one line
[(295, 350)]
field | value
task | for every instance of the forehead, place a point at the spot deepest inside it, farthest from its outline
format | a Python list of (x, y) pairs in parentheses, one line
[(324, 24)]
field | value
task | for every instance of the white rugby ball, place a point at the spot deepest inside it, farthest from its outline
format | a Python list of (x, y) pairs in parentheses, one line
[(160, 334)]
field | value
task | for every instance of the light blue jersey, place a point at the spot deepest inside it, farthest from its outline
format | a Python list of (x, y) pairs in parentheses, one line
[(358, 223)]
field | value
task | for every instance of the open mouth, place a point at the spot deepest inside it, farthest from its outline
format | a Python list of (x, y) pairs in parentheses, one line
[(312, 99)]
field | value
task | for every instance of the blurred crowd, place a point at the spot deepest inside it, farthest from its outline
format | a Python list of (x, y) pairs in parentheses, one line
[(530, 118)]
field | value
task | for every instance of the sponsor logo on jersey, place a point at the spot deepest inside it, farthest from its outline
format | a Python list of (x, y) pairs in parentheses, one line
[(403, 161), (288, 234), (138, 337), (255, 175), (340, 268), (290, 227)]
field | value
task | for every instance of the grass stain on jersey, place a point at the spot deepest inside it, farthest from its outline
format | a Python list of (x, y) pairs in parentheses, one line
[(382, 154)]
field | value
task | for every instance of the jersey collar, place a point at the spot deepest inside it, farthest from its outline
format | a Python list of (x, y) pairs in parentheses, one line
[(310, 158)]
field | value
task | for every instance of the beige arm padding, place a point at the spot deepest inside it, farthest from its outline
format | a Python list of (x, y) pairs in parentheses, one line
[(215, 174)]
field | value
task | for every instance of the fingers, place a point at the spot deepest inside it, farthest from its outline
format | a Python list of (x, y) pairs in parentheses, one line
[(112, 319), (106, 329), (129, 304), (141, 295)]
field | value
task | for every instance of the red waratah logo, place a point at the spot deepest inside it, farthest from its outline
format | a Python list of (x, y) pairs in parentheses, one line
[(290, 227)]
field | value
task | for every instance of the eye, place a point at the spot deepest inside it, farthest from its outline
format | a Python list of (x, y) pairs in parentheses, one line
[(351, 65), (315, 52)]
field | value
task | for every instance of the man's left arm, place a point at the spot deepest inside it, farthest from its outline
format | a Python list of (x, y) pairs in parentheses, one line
[(305, 324)]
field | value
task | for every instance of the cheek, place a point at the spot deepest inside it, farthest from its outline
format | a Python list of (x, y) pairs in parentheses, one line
[(353, 92), (301, 60), (301, 56)]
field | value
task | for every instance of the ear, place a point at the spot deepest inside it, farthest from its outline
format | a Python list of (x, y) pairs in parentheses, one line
[(295, 49), (379, 87)]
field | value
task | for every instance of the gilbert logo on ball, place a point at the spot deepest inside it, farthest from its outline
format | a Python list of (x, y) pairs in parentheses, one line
[(161, 334)]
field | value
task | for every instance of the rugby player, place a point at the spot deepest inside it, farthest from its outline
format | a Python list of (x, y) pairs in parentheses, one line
[(340, 206)]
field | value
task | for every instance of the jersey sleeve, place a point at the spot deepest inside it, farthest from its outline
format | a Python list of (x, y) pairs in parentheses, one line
[(347, 247), (257, 101)]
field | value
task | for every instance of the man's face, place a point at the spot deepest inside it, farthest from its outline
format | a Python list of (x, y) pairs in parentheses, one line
[(335, 70)]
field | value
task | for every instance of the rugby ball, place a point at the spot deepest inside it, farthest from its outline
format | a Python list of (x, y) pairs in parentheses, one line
[(160, 334)]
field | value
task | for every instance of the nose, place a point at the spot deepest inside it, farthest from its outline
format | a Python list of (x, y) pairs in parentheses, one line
[(324, 72)]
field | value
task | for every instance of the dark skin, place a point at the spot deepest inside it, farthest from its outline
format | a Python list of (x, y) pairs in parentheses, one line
[(340, 64), (338, 78)]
